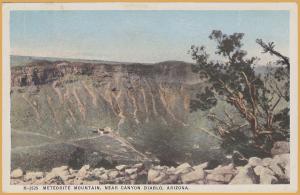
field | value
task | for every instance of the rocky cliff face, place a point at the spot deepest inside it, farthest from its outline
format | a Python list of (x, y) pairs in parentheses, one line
[(128, 92), (62, 101)]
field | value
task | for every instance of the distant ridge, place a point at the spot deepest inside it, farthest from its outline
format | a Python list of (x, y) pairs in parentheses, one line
[(18, 60)]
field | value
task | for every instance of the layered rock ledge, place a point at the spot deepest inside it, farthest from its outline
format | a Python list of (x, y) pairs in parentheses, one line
[(275, 170)]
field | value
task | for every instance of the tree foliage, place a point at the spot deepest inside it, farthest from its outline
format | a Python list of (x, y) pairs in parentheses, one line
[(257, 98)]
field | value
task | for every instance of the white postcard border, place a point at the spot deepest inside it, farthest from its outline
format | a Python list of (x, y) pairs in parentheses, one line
[(291, 7)]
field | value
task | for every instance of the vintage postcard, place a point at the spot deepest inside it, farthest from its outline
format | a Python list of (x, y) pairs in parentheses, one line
[(150, 97)]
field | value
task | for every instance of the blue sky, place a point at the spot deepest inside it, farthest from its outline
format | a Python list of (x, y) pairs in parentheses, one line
[(139, 36)]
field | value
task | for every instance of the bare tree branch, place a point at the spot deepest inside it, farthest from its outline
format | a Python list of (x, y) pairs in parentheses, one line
[(270, 49), (254, 106)]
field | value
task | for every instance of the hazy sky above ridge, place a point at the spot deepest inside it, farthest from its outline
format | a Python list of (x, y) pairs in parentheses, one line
[(140, 36)]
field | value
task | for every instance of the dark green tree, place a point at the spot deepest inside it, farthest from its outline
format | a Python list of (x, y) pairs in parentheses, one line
[(257, 98)]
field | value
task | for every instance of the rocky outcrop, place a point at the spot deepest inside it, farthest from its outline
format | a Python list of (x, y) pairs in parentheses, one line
[(258, 171), (17, 173), (280, 147)]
